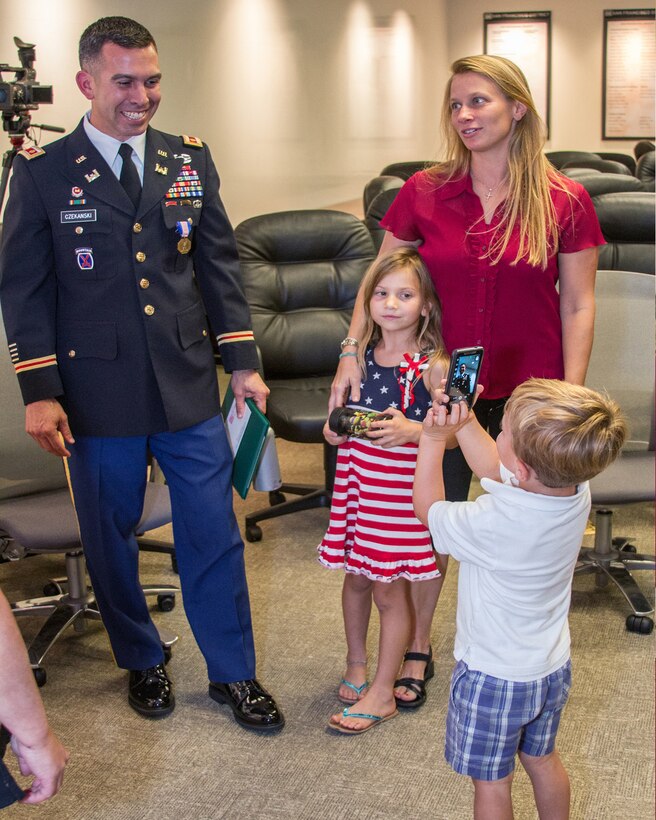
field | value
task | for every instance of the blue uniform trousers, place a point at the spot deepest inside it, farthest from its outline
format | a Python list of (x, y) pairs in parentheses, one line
[(108, 476)]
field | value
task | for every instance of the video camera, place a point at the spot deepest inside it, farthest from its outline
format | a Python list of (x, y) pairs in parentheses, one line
[(24, 93)]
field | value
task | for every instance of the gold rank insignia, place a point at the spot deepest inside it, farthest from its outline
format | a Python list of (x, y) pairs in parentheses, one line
[(193, 141), (32, 152)]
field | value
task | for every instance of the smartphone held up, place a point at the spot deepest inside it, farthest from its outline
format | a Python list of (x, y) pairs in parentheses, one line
[(463, 374)]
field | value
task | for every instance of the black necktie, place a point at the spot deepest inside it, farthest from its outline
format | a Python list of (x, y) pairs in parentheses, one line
[(129, 175)]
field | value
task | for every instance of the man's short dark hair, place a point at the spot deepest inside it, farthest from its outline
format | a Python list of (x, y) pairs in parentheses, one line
[(118, 30)]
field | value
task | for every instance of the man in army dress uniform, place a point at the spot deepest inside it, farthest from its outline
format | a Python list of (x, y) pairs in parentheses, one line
[(118, 262)]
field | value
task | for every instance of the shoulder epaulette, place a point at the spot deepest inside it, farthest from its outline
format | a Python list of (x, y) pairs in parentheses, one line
[(193, 141), (31, 152)]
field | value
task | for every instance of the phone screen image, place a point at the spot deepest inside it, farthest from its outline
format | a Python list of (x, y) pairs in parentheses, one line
[(463, 374)]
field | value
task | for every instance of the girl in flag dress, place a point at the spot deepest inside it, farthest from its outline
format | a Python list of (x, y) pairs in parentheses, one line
[(373, 533)]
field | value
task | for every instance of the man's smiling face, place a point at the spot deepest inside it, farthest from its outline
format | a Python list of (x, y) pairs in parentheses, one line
[(123, 85)]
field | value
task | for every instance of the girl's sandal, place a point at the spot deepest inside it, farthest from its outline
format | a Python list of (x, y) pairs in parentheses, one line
[(358, 690)]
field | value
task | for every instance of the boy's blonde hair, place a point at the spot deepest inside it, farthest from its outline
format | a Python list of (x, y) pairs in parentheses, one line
[(567, 433), (429, 327)]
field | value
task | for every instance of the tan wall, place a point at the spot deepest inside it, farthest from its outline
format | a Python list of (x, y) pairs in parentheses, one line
[(300, 99), (576, 62)]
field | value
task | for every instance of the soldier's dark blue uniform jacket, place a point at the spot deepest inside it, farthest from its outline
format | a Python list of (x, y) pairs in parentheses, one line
[(102, 310)]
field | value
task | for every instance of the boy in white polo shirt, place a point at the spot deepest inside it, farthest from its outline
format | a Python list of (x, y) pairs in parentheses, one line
[(517, 546)]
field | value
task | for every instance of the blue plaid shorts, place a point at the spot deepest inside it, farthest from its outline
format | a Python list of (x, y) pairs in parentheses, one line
[(491, 719)]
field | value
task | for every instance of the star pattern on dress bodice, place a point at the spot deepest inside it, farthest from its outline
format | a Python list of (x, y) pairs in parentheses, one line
[(381, 390)]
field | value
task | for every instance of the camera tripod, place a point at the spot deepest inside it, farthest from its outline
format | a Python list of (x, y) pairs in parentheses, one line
[(17, 124)]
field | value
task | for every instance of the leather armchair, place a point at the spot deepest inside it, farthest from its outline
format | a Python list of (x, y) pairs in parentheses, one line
[(645, 170), (627, 222), (607, 166), (376, 211), (405, 169), (595, 182), (559, 158), (625, 159), (376, 186), (301, 271), (642, 147)]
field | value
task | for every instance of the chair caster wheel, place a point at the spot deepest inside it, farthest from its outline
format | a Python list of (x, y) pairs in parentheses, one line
[(40, 676), (629, 548), (174, 563), (168, 653), (51, 589), (276, 497), (253, 533), (640, 624), (165, 603)]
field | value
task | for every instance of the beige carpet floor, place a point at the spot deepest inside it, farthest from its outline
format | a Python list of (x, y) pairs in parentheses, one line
[(199, 765)]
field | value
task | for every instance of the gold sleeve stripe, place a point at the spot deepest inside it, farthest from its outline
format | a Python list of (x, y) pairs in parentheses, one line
[(35, 364), (235, 336)]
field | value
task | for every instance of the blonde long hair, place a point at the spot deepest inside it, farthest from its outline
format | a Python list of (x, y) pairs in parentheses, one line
[(531, 176), (428, 334)]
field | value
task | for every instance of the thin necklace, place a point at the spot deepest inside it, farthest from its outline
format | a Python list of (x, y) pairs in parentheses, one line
[(490, 191)]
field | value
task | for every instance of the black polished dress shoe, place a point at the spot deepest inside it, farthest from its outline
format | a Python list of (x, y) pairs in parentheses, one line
[(251, 704), (150, 692)]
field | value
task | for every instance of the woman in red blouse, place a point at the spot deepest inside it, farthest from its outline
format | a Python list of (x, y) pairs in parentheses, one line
[(512, 249)]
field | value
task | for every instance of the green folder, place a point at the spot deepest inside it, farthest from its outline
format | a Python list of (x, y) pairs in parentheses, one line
[(246, 437)]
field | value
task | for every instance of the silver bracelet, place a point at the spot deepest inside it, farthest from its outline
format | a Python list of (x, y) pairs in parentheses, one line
[(349, 341)]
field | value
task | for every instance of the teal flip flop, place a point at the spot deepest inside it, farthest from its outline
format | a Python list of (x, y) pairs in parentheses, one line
[(357, 689), (376, 720)]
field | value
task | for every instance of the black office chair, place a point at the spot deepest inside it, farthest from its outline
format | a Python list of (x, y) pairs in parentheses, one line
[(622, 363), (625, 159), (37, 517), (627, 222), (606, 166), (642, 147), (377, 209), (376, 186), (560, 158), (645, 170), (301, 272), (405, 170), (596, 182)]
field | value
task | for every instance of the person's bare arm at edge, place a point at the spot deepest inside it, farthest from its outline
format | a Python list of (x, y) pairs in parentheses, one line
[(576, 273), (47, 423), (248, 384), (38, 751), (347, 378)]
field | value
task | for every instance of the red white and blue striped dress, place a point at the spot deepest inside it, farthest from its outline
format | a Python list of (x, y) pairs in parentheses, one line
[(373, 530)]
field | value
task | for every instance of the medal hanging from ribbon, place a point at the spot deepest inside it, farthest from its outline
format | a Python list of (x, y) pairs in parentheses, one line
[(183, 228), (410, 371)]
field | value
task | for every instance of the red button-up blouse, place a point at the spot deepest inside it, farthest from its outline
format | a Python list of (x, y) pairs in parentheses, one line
[(512, 310)]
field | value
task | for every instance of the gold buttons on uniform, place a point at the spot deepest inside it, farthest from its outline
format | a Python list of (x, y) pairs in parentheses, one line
[(79, 229), (140, 256), (144, 283), (149, 310), (71, 354), (204, 332), (137, 227)]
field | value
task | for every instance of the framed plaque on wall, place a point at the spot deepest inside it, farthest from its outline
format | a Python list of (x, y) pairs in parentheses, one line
[(629, 72), (525, 38)]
